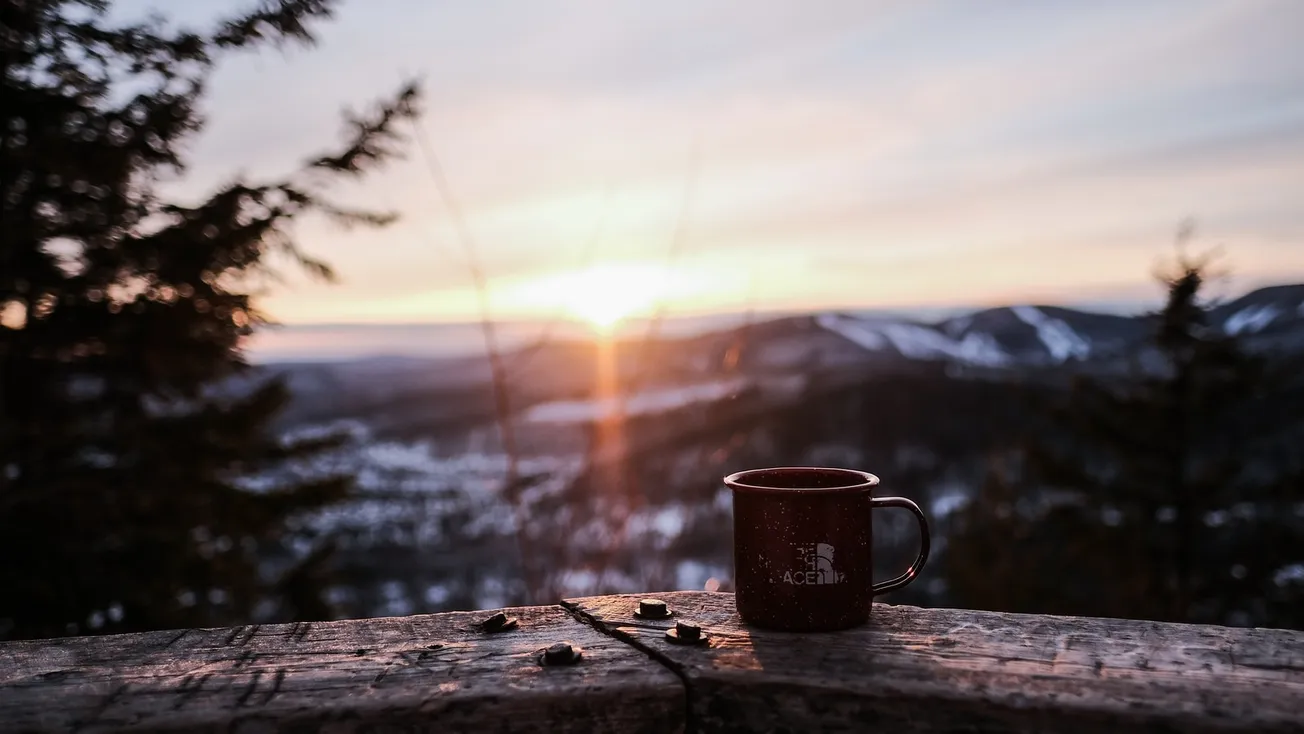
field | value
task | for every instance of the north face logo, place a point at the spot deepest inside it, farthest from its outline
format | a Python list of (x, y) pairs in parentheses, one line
[(816, 561)]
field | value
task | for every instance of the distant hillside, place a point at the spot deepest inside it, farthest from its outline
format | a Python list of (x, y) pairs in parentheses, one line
[(398, 393), (1028, 335)]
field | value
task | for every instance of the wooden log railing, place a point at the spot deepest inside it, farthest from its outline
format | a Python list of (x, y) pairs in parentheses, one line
[(909, 670)]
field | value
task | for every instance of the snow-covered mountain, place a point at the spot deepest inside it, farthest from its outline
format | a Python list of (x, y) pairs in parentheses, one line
[(1032, 335), (1268, 312), (555, 383)]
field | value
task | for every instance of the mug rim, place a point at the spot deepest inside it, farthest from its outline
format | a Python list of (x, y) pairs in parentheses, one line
[(863, 481)]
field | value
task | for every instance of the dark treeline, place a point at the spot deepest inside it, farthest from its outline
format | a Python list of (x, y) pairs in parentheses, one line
[(1176, 493), (123, 496)]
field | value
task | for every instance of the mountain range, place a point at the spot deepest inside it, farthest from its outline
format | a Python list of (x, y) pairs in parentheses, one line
[(422, 395), (1018, 336)]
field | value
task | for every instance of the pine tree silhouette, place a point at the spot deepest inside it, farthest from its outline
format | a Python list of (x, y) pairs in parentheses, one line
[(122, 444), (1170, 494)]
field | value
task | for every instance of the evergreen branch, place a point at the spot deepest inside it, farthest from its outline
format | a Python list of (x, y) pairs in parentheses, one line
[(348, 217), (372, 139), (143, 45), (277, 22)]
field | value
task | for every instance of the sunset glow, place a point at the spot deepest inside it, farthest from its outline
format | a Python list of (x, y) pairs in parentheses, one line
[(1024, 153), (604, 296)]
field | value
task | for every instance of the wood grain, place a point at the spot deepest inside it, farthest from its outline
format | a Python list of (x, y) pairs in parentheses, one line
[(433, 673), (941, 670)]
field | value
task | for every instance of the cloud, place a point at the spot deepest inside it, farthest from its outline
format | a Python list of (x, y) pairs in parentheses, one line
[(1005, 138)]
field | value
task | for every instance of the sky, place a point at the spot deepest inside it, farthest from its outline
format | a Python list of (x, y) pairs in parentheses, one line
[(614, 158)]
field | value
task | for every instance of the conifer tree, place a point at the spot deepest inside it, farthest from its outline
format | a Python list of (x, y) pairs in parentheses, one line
[(125, 452), (1173, 493)]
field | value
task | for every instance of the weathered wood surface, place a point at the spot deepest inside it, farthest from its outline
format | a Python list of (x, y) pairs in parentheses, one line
[(911, 669), (434, 673), (941, 670)]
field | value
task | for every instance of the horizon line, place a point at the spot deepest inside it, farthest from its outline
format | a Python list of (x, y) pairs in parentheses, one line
[(1082, 305), (1114, 305)]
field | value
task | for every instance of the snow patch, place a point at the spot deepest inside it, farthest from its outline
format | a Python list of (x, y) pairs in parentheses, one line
[(949, 496), (580, 581), (723, 501), (956, 327), (1251, 319), (648, 401), (919, 342), (948, 503), (1059, 338), (400, 457), (660, 526), (669, 521), (1292, 574), (853, 330), (982, 349), (492, 594), (691, 575)]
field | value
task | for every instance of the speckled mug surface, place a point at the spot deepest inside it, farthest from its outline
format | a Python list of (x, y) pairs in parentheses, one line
[(803, 547)]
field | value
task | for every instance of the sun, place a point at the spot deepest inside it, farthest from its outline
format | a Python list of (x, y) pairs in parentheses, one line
[(603, 296)]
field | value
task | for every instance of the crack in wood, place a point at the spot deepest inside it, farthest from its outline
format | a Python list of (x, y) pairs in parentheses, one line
[(910, 670), (680, 672), (271, 678)]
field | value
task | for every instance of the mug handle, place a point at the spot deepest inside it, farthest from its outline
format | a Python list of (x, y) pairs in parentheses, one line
[(924, 543)]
